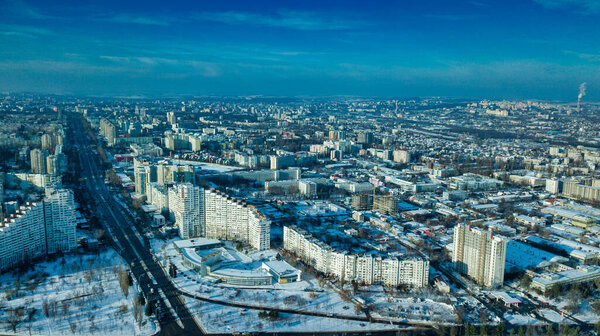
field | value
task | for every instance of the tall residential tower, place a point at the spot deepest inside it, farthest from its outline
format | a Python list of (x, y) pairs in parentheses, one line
[(479, 254)]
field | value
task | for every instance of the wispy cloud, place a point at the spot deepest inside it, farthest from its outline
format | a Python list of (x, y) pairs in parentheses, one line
[(24, 31), (139, 19), (591, 57), (580, 6), (299, 20), (480, 3), (451, 17), (187, 67), (23, 9)]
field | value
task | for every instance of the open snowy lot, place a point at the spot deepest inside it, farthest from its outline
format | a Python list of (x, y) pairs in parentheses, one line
[(551, 315), (72, 295), (412, 308), (224, 319), (520, 319)]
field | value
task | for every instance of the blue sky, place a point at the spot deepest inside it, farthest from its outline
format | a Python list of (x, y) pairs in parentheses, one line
[(478, 48)]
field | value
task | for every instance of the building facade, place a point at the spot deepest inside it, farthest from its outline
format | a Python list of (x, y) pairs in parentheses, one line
[(38, 228), (213, 214), (368, 269), (479, 254), (38, 161)]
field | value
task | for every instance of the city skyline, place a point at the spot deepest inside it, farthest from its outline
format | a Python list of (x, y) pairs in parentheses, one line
[(481, 49)]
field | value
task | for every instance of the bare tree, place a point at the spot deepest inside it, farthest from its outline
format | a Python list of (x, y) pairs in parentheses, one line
[(124, 281), (46, 308), (15, 317)]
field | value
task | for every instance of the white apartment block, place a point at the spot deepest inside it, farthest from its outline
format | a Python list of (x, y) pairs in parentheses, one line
[(213, 214), (368, 269), (38, 160), (231, 219), (187, 203), (61, 220), (37, 228), (39, 180), (480, 255), (158, 195), (109, 130), (22, 236), (259, 230)]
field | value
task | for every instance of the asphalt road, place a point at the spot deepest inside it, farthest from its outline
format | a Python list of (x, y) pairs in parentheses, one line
[(131, 244)]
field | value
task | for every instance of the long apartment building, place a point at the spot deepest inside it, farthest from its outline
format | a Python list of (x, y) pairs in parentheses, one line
[(38, 228), (581, 190), (213, 214), (109, 130), (368, 269), (479, 254)]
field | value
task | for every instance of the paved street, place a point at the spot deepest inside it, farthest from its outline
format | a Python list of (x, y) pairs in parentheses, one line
[(177, 319)]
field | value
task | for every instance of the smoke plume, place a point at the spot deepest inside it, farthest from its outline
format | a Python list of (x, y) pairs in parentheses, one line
[(582, 89)]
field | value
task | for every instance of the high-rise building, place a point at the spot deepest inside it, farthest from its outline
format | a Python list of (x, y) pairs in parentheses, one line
[(282, 161), (365, 138), (37, 228), (52, 165), (582, 190), (56, 164), (60, 220), (479, 254), (22, 236), (38, 160), (171, 118), (187, 203), (48, 142), (554, 186), (109, 130), (402, 156), (213, 214), (386, 204), (362, 202), (158, 195), (143, 175)]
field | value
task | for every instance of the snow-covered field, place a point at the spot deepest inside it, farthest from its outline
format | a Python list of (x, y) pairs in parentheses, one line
[(519, 319), (551, 315), (520, 256), (223, 319), (412, 308), (74, 295)]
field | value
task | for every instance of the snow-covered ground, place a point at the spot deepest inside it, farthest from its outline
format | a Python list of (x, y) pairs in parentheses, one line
[(224, 319), (82, 295), (585, 314), (519, 319), (414, 309), (520, 256), (551, 315)]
